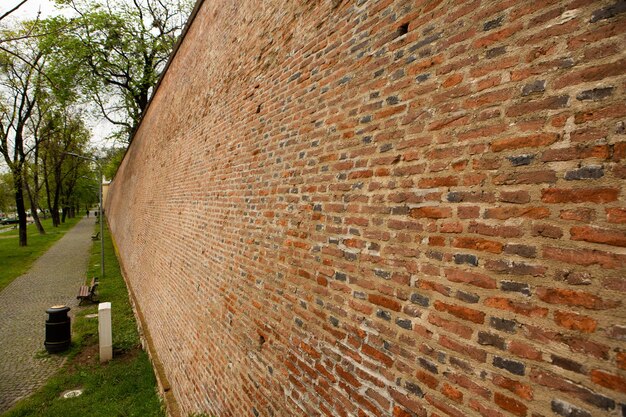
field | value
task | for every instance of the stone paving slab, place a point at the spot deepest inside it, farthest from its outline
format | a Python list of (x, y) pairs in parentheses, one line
[(53, 279)]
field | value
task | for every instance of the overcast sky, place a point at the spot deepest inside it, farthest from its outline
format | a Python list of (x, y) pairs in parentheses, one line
[(29, 9)]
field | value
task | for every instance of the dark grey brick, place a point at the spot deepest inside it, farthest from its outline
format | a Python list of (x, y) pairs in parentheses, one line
[(492, 24), (383, 314), (468, 297), (520, 160), (608, 12), (568, 364), (422, 77), (595, 94), (537, 86), (429, 366), (514, 367), (419, 299), (568, 410), (584, 173), (494, 52), (513, 286), (414, 388), (404, 323), (490, 339), (465, 258), (391, 100), (521, 250), (382, 273)]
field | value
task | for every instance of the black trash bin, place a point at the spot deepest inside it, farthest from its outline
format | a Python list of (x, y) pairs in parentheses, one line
[(58, 329)]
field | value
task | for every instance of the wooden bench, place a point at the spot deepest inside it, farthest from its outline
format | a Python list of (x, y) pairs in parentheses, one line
[(88, 292), (96, 236)]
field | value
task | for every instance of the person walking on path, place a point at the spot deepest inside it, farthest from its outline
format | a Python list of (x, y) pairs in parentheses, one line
[(52, 280)]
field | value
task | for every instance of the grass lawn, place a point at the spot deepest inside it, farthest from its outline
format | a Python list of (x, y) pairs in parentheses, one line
[(126, 386), (16, 260)]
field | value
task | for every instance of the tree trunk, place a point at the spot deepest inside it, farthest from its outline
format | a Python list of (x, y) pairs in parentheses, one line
[(34, 207), (56, 217), (19, 204), (33, 194)]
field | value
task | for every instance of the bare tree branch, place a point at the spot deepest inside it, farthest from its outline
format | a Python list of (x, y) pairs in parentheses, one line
[(20, 4)]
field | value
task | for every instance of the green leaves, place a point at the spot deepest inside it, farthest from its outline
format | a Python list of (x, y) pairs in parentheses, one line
[(117, 50)]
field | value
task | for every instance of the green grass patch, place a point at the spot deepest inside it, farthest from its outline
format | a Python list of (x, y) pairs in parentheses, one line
[(126, 386), (17, 260)]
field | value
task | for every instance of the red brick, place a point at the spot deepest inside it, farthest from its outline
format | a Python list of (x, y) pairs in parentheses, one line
[(574, 298), (461, 312), (521, 142), (524, 350), (452, 80), (504, 213), (546, 230), (431, 212), (510, 405), (483, 410), (620, 359), (438, 182), (581, 215), (451, 326), (384, 302), (591, 74), (616, 215), (574, 321), (497, 36), (549, 103), (521, 390), (452, 393), (477, 244), (585, 257), (477, 354), (376, 354), (597, 235), (579, 195), (611, 381), (525, 309), (476, 279)]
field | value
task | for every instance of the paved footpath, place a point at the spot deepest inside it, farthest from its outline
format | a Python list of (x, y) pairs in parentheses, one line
[(52, 280)]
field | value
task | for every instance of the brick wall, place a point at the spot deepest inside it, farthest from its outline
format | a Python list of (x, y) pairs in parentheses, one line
[(385, 208)]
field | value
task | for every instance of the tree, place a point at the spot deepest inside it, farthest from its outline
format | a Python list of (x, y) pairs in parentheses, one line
[(122, 47), (19, 89), (65, 133), (7, 198), (111, 161)]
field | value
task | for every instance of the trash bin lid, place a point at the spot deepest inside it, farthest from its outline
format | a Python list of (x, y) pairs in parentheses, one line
[(58, 309)]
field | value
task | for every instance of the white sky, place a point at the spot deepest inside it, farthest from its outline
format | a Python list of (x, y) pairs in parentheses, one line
[(29, 9)]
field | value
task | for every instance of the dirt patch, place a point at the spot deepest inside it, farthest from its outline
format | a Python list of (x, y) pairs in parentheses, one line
[(86, 357)]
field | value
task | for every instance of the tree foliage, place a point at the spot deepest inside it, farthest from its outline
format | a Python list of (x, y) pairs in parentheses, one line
[(108, 56), (121, 48), (19, 91)]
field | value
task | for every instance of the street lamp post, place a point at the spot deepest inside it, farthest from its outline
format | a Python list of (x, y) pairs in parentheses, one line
[(101, 217)]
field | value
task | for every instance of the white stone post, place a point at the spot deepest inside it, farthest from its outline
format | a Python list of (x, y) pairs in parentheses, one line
[(104, 332)]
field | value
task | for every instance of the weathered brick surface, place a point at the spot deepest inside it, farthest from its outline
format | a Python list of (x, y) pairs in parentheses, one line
[(385, 208)]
